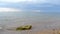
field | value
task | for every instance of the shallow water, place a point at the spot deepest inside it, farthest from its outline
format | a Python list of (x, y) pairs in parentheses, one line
[(39, 21)]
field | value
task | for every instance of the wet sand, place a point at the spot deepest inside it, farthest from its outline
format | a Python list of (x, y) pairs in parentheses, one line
[(45, 31), (36, 29)]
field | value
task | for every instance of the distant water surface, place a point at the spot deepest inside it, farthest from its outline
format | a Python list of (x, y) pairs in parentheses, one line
[(39, 20)]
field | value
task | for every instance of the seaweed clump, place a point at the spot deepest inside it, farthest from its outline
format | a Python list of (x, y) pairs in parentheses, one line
[(27, 27)]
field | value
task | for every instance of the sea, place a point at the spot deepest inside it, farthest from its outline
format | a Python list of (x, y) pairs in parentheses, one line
[(38, 20)]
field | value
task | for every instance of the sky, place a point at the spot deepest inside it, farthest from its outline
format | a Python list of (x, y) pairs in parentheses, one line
[(39, 5)]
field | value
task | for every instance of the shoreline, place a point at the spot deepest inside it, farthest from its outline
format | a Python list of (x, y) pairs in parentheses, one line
[(45, 31)]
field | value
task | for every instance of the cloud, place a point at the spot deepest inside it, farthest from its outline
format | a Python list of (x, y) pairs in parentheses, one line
[(48, 1), (53, 1), (57, 2), (25, 1), (9, 10), (15, 1), (32, 4), (32, 1)]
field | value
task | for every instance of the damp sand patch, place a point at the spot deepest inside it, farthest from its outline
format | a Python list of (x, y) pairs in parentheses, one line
[(24, 27)]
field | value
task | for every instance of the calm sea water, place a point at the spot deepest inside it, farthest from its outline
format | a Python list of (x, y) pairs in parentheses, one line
[(39, 20)]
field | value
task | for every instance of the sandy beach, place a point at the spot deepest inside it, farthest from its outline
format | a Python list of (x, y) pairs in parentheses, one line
[(45, 31)]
